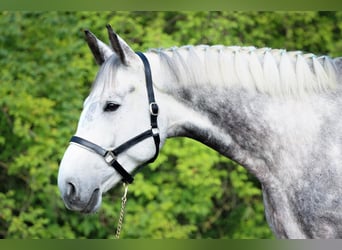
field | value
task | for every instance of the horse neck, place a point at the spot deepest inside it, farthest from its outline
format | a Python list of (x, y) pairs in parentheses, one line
[(228, 119), (238, 121)]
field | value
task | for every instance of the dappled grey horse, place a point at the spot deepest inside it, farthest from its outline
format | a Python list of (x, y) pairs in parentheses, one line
[(277, 113)]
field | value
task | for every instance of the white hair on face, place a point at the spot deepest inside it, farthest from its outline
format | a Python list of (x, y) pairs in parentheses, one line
[(105, 77), (271, 71)]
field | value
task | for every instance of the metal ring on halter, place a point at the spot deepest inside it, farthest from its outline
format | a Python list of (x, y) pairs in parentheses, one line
[(109, 157)]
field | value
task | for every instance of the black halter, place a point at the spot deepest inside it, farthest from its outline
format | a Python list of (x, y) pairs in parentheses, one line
[(111, 155)]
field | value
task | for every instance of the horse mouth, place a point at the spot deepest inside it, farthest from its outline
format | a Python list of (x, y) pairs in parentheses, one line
[(93, 203)]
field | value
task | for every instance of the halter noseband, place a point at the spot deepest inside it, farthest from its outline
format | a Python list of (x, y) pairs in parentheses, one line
[(110, 155)]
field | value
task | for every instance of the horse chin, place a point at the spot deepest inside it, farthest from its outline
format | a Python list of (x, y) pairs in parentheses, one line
[(94, 203), (91, 206)]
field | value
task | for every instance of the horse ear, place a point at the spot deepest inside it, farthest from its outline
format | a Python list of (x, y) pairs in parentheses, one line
[(120, 47), (100, 50)]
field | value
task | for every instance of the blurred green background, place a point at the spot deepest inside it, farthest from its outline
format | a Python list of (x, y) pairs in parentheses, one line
[(190, 191)]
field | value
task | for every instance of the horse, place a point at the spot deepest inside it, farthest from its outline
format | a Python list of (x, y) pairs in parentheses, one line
[(275, 112)]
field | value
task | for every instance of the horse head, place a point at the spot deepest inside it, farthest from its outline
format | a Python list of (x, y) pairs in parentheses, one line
[(118, 128)]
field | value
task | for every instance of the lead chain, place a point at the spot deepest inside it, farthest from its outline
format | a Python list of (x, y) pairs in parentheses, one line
[(122, 211)]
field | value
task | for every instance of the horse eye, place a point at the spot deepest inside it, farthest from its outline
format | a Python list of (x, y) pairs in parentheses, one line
[(111, 106)]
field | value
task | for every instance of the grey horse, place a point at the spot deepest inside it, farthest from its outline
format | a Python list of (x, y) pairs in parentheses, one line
[(277, 113)]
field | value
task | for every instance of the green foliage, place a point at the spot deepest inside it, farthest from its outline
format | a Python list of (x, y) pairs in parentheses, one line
[(191, 191)]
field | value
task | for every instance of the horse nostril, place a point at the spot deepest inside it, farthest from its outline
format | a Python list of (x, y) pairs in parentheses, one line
[(71, 191), (96, 191)]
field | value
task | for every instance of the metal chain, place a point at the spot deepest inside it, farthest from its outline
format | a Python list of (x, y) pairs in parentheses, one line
[(122, 211)]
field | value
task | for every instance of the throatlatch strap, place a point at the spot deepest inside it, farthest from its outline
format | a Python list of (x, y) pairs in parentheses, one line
[(154, 109)]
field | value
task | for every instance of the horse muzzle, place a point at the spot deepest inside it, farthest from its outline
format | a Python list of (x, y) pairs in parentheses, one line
[(88, 202)]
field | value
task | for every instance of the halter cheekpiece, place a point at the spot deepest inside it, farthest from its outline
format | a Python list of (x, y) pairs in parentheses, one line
[(110, 156)]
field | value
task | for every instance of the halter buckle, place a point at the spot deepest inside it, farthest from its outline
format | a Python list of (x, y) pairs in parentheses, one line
[(109, 157), (154, 109)]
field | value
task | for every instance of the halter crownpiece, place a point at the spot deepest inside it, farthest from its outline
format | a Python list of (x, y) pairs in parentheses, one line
[(110, 156)]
